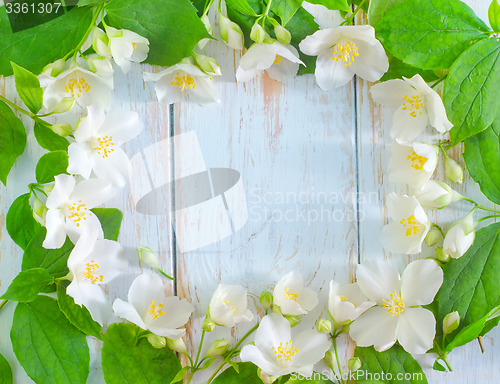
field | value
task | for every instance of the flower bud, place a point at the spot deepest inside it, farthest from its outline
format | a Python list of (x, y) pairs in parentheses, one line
[(292, 319), (265, 377), (101, 66), (39, 210), (266, 300), (441, 256), (258, 34), (54, 69), (451, 322), (231, 33), (282, 34), (147, 256), (436, 194), (218, 348), (177, 345), (432, 237), (354, 364), (453, 171), (460, 237), (330, 359), (156, 341), (65, 105), (208, 325), (324, 326), (62, 129), (100, 42), (207, 64)]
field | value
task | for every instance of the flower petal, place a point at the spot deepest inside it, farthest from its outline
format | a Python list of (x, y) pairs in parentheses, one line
[(115, 167), (320, 41), (93, 192), (331, 74), (375, 327), (273, 330), (81, 160), (312, 347), (390, 93), (420, 282), (416, 330), (372, 61), (406, 127), (93, 298), (250, 353), (60, 194), (377, 280), (128, 312), (56, 229), (88, 126)]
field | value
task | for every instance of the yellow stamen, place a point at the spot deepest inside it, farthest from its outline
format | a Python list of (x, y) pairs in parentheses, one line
[(291, 296), (92, 272), (395, 304), (413, 104), (76, 86), (154, 311), (226, 303), (104, 146), (184, 81), (346, 52), (77, 212), (417, 161), (277, 59), (286, 352), (134, 45), (412, 226)]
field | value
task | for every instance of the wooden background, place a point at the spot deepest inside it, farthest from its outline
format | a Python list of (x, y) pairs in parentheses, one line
[(293, 144)]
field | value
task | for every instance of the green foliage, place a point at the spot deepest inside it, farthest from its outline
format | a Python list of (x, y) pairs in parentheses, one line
[(285, 9), (53, 260), (28, 88), (35, 47), (83, 3), (126, 358), (111, 221), (340, 5), (471, 287), (77, 315), (48, 139), (28, 284), (12, 137), (394, 361), (471, 91), (247, 375), (378, 8), (20, 222), (242, 6), (430, 34), (5, 371), (398, 69), (494, 15), (47, 346), (171, 26), (51, 164), (482, 157)]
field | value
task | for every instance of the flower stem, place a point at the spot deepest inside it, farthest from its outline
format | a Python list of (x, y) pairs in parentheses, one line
[(3, 304), (164, 274), (488, 217), (208, 4), (199, 348), (350, 18), (7, 101), (230, 354), (445, 360), (434, 225), (479, 206), (337, 358)]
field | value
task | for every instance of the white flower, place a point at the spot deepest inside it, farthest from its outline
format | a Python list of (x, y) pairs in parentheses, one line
[(183, 81), (412, 164), (410, 224), (436, 194), (397, 315), (293, 297), (150, 308), (346, 303), (417, 105), (460, 237), (93, 263), (127, 47), (231, 33), (78, 83), (278, 60), (323, 16), (97, 144), (344, 52), (278, 353), (69, 206), (229, 306)]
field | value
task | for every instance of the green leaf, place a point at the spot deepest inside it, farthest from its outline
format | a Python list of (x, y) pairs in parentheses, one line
[(20, 222), (28, 284), (28, 88), (430, 34), (5, 371), (171, 26), (398, 69), (471, 90), (339, 5), (300, 26), (395, 361), (77, 315), (51, 164), (494, 15), (241, 6), (35, 47), (438, 366), (12, 138), (48, 139), (53, 260), (471, 283), (180, 375), (378, 8), (247, 375), (82, 3), (128, 359), (482, 157), (47, 346), (285, 9), (111, 221)]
